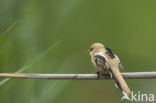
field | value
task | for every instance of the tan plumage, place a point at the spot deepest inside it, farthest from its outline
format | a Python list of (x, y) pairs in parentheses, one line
[(105, 61)]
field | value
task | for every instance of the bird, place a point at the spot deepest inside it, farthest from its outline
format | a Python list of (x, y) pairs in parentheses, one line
[(106, 62)]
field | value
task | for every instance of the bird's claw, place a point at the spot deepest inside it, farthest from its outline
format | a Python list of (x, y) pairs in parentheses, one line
[(98, 73)]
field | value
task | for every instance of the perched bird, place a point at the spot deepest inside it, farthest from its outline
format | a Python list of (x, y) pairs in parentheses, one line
[(106, 62)]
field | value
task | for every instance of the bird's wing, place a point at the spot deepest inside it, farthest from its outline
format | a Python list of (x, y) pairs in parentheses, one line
[(101, 60), (120, 64), (115, 64)]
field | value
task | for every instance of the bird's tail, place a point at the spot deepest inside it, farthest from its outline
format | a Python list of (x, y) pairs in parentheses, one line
[(119, 81)]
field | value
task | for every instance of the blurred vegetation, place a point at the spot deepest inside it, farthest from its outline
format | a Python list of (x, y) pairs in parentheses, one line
[(52, 36)]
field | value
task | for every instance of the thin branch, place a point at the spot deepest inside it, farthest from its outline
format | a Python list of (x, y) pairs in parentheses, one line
[(132, 75)]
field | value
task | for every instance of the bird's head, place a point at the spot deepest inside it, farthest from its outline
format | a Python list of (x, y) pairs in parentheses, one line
[(95, 48)]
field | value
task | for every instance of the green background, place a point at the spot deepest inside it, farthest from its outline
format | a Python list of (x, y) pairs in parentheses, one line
[(52, 36)]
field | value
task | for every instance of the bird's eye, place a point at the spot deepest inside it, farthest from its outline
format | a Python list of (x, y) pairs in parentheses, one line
[(91, 49)]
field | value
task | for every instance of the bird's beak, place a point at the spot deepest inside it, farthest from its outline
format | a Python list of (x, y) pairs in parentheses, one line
[(88, 51)]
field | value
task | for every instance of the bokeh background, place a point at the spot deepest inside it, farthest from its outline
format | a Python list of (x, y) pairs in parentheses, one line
[(52, 36)]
